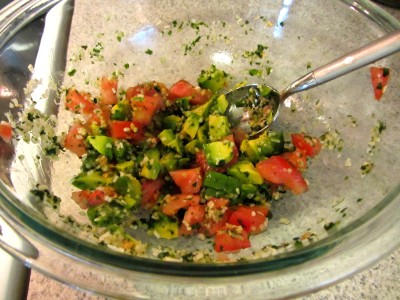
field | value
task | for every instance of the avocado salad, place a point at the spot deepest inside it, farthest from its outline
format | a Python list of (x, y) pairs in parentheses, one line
[(166, 159)]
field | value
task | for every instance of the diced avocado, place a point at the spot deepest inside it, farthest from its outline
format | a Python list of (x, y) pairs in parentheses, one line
[(121, 111), (129, 187), (170, 161), (218, 153), (165, 227), (166, 136), (212, 79), (221, 105), (218, 127), (202, 134), (203, 110), (126, 167), (103, 144), (191, 126), (222, 182), (122, 150), (169, 138), (193, 146), (183, 103), (151, 164), (246, 172), (265, 145), (90, 180), (248, 191), (172, 122)]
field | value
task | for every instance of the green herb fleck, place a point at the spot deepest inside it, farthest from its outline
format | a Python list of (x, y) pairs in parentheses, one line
[(149, 52)]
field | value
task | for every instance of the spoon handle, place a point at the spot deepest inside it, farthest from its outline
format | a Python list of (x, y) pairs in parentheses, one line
[(352, 61)]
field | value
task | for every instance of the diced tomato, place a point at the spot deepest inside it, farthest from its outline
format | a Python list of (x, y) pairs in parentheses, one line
[(108, 90), (79, 103), (86, 198), (98, 119), (193, 217), (217, 214), (231, 238), (5, 131), (145, 107), (278, 170), (189, 181), (75, 139), (234, 149), (173, 203), (151, 192), (183, 89), (310, 145), (127, 130), (147, 88), (297, 158), (251, 218), (380, 77)]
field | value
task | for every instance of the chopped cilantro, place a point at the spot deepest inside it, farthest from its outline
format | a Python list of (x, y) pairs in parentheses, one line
[(149, 52)]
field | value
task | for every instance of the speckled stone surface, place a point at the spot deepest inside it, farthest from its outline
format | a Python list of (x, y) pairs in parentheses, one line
[(381, 281)]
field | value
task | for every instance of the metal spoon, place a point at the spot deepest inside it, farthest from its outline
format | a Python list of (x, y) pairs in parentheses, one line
[(254, 107)]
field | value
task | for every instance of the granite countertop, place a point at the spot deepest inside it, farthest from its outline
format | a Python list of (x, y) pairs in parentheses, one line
[(381, 281)]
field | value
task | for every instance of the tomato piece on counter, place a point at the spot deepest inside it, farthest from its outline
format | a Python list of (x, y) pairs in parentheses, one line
[(310, 145), (192, 219), (251, 218), (108, 90), (231, 238), (379, 77), (127, 130), (297, 158), (79, 103), (173, 203), (5, 131), (75, 139), (151, 192), (189, 181), (278, 170), (183, 89)]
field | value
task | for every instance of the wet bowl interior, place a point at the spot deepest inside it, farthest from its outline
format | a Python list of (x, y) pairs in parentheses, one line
[(352, 204)]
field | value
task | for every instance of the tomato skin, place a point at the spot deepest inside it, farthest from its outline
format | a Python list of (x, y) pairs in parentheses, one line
[(183, 89), (5, 131), (252, 218), (179, 201), (151, 192), (108, 90), (278, 170), (189, 181), (127, 130), (75, 139), (231, 239), (297, 158), (193, 216), (79, 103), (310, 145), (87, 198), (144, 110), (379, 77)]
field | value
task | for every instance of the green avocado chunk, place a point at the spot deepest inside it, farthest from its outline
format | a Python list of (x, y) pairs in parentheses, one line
[(246, 172)]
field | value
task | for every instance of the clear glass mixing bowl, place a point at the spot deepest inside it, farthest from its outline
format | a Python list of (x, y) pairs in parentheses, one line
[(362, 209)]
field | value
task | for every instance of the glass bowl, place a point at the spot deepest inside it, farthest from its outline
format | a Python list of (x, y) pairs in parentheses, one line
[(345, 222)]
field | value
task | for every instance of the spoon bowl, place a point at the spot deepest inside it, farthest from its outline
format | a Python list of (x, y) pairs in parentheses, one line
[(254, 107)]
